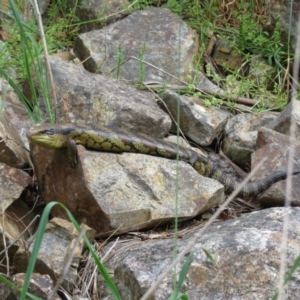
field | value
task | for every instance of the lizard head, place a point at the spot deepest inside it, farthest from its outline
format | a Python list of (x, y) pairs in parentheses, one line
[(48, 136)]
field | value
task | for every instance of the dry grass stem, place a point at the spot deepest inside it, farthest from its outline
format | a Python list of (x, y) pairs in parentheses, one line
[(67, 265), (46, 55), (4, 243)]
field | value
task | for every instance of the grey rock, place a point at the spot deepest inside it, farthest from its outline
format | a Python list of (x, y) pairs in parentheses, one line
[(277, 160), (199, 123), (115, 193), (283, 122), (58, 245), (13, 124), (240, 135), (12, 183), (92, 99), (246, 250), (287, 13), (40, 285), (7, 292), (151, 35), (93, 14)]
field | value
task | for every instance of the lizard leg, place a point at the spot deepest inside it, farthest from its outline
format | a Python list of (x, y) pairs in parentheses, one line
[(72, 153)]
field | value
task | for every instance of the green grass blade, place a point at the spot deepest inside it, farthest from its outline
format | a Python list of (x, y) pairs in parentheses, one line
[(178, 296), (2, 103), (185, 269), (20, 94), (209, 256), (182, 296), (16, 14), (182, 276), (31, 53), (26, 26), (99, 264)]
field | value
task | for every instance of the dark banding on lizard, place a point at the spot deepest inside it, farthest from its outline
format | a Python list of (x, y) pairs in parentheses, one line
[(57, 136)]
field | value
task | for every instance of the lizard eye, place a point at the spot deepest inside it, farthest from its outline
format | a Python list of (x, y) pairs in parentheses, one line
[(49, 131)]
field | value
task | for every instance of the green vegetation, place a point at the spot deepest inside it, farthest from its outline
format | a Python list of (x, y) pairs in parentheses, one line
[(142, 65), (120, 58), (239, 24), (24, 48)]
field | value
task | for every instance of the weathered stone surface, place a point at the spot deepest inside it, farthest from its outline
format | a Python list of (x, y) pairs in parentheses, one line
[(40, 285), (152, 35), (240, 136), (14, 112), (283, 122), (16, 218), (13, 125), (247, 254), (118, 193), (14, 214), (57, 246), (95, 99), (204, 84), (108, 11), (182, 142), (12, 183), (11, 151), (266, 135), (277, 160), (199, 123), (12, 224), (7, 292), (275, 145)]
